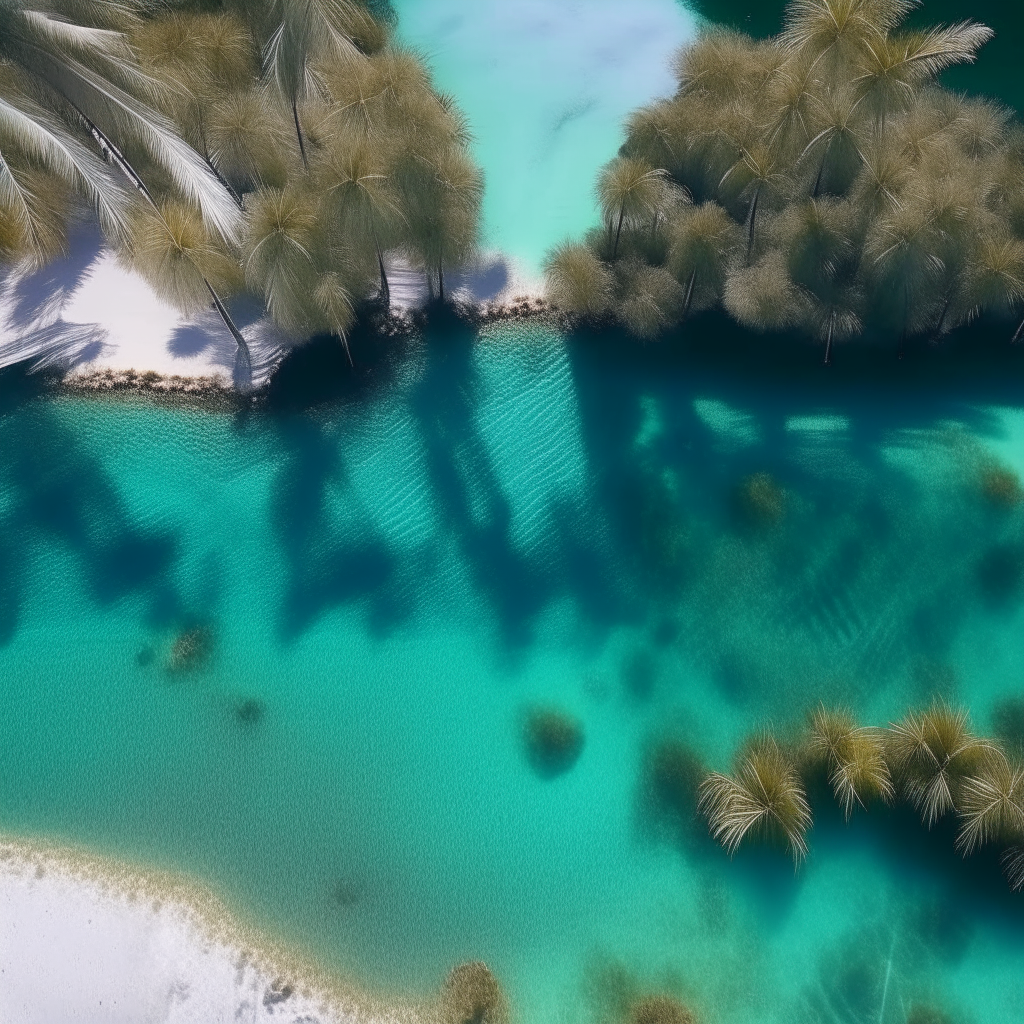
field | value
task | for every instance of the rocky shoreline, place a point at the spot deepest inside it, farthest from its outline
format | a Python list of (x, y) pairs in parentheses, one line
[(218, 389)]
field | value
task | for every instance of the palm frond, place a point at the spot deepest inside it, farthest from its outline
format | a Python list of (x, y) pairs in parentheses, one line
[(854, 758), (577, 281), (991, 804), (932, 753), (120, 115), (764, 797), (26, 127), (1013, 865)]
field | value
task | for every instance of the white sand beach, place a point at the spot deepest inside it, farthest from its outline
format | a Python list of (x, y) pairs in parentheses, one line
[(86, 314), (89, 941)]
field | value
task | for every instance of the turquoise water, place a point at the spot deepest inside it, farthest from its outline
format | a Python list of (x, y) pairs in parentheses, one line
[(546, 85), (390, 579)]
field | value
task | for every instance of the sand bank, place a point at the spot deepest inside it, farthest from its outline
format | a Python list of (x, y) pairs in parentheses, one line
[(84, 939)]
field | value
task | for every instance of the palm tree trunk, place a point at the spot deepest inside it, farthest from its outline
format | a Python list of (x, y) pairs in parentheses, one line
[(618, 232), (440, 281), (298, 132), (1018, 334), (689, 293), (751, 218), (828, 341), (942, 317), (224, 181), (821, 170), (906, 319), (110, 151), (385, 288), (243, 348)]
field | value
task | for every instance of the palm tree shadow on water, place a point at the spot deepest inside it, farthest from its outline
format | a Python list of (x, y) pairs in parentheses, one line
[(60, 495), (468, 504), (850, 574)]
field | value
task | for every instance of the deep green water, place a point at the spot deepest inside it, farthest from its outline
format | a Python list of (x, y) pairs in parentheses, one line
[(486, 523)]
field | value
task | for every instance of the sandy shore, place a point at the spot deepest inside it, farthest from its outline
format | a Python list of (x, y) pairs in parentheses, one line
[(83, 939), (104, 328)]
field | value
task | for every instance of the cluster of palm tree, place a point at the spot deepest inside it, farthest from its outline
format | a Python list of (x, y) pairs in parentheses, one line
[(929, 758), (278, 147), (820, 180)]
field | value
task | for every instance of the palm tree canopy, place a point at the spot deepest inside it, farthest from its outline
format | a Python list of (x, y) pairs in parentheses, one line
[(763, 797), (83, 71), (992, 804), (933, 752), (843, 103)]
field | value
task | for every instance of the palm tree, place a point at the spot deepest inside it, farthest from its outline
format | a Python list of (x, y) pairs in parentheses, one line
[(359, 197), (632, 192), (704, 241), (651, 298), (933, 753), (294, 32), (725, 65), (577, 280), (827, 34), (997, 275), (754, 176), (441, 199), (247, 139), (763, 797), (894, 68), (789, 96), (653, 136), (184, 262), (837, 135), (992, 804), (277, 253), (854, 758), (762, 295), (902, 252)]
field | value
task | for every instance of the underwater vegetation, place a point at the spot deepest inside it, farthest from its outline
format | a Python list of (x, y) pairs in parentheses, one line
[(929, 758), (280, 148), (761, 501), (250, 712), (659, 1009), (191, 649), (820, 180), (472, 995), (553, 741), (1001, 486)]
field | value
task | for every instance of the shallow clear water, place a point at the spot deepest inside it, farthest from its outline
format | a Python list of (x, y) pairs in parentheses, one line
[(546, 85), (390, 580)]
